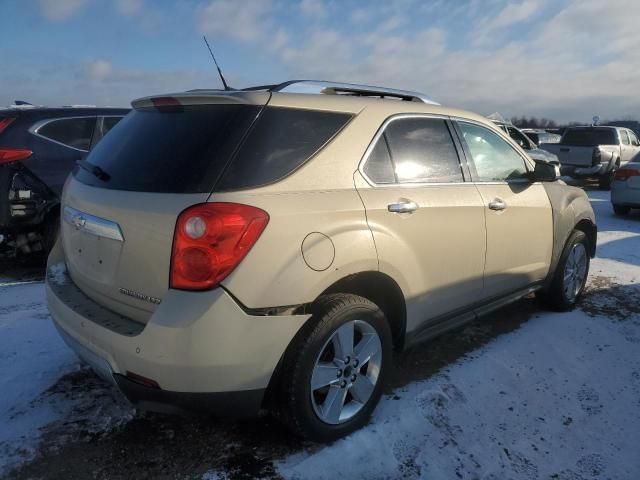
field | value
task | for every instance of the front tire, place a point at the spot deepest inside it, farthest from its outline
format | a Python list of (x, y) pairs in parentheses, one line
[(332, 376), (571, 274)]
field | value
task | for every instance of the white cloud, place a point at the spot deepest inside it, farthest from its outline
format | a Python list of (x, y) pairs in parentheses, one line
[(60, 9), (554, 71), (129, 7), (314, 9), (515, 13), (245, 21), (563, 64), (99, 69)]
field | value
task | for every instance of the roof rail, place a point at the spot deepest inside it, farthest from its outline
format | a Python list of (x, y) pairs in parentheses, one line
[(336, 88)]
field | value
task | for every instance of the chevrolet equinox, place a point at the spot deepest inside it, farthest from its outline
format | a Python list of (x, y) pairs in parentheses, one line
[(269, 248)]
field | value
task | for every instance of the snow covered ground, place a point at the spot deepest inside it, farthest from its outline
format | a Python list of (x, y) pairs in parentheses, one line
[(558, 398)]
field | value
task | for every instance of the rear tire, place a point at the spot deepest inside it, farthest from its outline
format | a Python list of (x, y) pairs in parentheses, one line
[(331, 380), (621, 209), (604, 182), (571, 274)]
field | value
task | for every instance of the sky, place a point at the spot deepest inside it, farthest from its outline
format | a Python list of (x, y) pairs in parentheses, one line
[(562, 59)]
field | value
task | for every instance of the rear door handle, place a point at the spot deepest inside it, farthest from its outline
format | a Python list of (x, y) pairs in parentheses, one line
[(497, 204), (402, 207)]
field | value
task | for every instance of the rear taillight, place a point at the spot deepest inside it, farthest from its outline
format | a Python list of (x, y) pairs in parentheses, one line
[(210, 240), (5, 122), (625, 174), (8, 155)]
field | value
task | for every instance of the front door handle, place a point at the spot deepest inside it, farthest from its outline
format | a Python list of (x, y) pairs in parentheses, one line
[(497, 204), (403, 207)]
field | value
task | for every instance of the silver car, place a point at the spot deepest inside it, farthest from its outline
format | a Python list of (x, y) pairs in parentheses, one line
[(625, 188)]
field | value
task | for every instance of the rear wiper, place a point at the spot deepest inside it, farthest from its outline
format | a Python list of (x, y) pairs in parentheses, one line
[(95, 170)]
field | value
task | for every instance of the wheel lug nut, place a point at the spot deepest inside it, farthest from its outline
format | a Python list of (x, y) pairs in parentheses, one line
[(347, 360), (355, 362), (353, 377), (343, 384), (339, 373)]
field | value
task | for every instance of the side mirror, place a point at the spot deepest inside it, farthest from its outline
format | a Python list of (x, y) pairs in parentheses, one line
[(544, 172)]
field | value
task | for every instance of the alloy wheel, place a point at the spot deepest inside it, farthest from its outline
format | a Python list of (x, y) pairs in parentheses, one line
[(575, 271), (346, 372)]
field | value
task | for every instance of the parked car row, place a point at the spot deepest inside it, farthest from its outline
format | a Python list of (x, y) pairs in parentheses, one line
[(38, 149), (526, 143), (269, 249)]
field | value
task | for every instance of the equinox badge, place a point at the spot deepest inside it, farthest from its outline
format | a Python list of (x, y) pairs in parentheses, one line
[(140, 296)]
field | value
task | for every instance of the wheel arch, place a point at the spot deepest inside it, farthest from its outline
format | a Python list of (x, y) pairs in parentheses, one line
[(591, 231), (382, 290), (571, 211)]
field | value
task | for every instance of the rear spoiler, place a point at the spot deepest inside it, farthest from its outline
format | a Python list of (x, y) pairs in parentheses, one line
[(203, 97)]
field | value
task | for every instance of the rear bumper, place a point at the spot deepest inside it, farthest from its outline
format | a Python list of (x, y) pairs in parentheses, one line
[(242, 404), (201, 348), (584, 172)]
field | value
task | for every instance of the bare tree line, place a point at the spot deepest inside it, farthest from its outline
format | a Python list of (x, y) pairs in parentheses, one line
[(543, 122)]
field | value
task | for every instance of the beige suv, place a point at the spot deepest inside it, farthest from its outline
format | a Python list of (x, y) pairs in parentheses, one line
[(236, 251)]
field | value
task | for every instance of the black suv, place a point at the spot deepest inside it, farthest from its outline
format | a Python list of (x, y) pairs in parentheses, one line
[(39, 146)]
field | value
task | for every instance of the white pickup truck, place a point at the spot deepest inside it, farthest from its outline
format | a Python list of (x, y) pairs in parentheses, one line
[(594, 152)]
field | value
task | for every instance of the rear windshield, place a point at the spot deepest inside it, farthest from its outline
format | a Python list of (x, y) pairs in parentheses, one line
[(197, 148), (590, 137), (181, 151)]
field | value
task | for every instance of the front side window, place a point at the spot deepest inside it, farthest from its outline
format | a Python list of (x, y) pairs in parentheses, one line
[(422, 151), (633, 139), (495, 160), (72, 132)]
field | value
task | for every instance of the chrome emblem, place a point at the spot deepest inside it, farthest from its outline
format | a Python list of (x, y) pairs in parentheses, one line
[(140, 296)]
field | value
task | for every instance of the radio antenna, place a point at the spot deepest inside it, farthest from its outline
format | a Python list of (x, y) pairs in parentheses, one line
[(224, 82)]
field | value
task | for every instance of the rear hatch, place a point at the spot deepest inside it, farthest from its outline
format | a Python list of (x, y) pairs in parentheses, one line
[(578, 145), (120, 207)]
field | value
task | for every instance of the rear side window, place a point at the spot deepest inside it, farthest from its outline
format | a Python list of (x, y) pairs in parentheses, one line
[(590, 137), (108, 123), (72, 132), (179, 151), (281, 141), (103, 126), (379, 167), (422, 151)]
